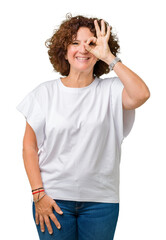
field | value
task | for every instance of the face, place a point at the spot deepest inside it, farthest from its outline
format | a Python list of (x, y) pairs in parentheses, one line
[(77, 55)]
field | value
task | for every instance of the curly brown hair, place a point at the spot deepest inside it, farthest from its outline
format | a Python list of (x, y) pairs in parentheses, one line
[(62, 37)]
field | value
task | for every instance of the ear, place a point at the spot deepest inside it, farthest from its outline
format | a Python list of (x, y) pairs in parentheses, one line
[(65, 56)]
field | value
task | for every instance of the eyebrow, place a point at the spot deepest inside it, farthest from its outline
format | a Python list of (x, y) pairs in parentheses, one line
[(79, 40)]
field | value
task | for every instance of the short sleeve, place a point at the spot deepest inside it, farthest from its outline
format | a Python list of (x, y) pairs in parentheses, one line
[(123, 118), (33, 114)]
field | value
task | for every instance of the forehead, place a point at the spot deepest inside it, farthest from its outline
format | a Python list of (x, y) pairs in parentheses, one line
[(83, 33)]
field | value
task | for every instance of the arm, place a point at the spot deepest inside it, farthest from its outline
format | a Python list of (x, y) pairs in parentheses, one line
[(43, 208), (135, 91), (30, 157)]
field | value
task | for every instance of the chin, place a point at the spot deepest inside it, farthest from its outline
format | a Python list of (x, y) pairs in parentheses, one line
[(82, 68)]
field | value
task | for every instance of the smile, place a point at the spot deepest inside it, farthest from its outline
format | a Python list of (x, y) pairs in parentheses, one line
[(82, 59)]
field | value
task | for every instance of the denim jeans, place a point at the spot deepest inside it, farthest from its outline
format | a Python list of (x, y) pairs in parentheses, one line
[(82, 221)]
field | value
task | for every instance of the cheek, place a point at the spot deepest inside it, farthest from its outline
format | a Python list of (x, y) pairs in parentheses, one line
[(71, 52)]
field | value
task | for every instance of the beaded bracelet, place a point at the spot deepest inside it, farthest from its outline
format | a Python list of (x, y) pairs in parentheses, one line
[(39, 198), (37, 189)]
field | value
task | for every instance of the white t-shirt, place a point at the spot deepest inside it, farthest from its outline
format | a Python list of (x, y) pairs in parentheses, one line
[(79, 134)]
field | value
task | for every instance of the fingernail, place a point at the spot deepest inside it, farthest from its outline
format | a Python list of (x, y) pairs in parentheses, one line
[(59, 227), (50, 232), (60, 212)]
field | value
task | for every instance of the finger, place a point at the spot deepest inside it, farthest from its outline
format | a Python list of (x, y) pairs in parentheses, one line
[(88, 48), (54, 219), (48, 224), (102, 27), (57, 208), (97, 28), (41, 223), (108, 32), (37, 218), (92, 39)]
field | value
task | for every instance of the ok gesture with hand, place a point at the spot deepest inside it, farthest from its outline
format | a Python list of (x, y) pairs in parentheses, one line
[(100, 48)]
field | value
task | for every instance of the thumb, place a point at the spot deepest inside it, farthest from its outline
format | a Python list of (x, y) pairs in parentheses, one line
[(57, 208)]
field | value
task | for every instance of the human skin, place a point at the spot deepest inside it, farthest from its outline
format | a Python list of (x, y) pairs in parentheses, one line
[(43, 208), (81, 71), (135, 93)]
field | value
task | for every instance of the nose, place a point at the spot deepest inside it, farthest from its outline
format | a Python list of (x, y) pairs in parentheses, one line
[(82, 49)]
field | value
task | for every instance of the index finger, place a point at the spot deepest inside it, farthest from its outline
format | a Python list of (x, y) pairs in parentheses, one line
[(37, 218), (91, 39)]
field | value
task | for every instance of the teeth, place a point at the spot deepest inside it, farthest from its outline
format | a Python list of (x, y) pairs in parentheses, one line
[(81, 58)]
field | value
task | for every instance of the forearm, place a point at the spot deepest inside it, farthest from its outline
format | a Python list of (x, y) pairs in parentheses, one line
[(133, 84), (31, 163)]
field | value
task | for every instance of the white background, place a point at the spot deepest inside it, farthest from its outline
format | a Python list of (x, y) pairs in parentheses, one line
[(25, 25)]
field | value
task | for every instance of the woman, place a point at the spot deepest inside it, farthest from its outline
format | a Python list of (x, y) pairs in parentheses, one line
[(74, 130)]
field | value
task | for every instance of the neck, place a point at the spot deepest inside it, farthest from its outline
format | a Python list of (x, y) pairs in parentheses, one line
[(78, 79)]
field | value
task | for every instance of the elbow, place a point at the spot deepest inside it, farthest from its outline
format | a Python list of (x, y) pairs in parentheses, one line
[(28, 151), (144, 96), (144, 93), (141, 99), (147, 94)]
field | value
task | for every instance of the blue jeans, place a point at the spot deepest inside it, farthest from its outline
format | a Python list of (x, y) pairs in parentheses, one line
[(82, 221)]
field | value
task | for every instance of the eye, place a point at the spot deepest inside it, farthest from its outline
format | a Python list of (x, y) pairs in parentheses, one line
[(91, 43)]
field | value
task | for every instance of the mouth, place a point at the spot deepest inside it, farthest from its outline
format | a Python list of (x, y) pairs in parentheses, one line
[(82, 59)]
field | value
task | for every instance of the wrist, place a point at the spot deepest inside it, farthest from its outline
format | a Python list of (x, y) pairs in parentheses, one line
[(37, 193), (36, 196), (34, 189), (109, 58)]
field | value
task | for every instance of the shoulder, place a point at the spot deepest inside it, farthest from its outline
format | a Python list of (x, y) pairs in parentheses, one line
[(43, 93), (108, 81), (113, 82), (44, 87)]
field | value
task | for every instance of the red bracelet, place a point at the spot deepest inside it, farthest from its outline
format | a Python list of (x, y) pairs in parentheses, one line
[(38, 191)]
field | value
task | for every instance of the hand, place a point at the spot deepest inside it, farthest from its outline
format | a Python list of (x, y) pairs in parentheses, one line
[(43, 210), (101, 48)]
